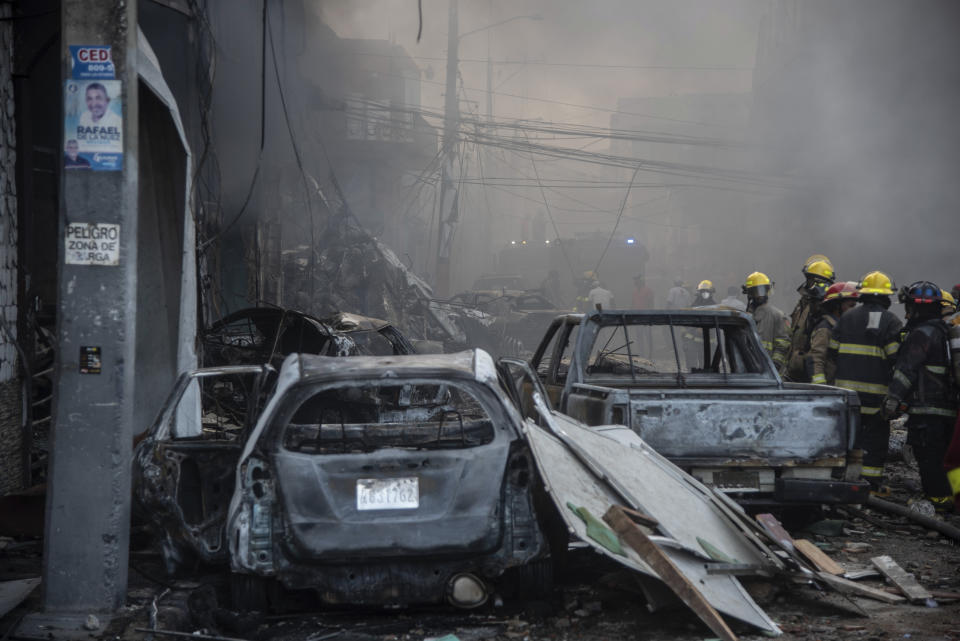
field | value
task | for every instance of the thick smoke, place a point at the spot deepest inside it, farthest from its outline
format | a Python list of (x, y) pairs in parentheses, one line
[(840, 116)]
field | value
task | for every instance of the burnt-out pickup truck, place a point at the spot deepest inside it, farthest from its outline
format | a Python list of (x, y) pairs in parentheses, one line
[(698, 387)]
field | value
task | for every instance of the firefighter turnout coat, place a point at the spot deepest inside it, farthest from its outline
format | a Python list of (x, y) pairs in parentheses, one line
[(819, 364), (864, 345), (921, 377), (774, 330)]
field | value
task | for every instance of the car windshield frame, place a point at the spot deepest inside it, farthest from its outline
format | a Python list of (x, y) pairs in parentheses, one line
[(673, 322)]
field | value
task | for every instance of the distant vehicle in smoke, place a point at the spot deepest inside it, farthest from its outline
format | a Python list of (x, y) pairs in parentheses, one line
[(260, 335), (499, 282)]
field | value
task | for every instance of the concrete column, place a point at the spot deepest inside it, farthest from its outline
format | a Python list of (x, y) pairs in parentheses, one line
[(11, 412), (88, 490)]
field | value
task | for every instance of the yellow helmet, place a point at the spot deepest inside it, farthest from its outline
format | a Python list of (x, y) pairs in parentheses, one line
[(816, 258), (949, 302), (757, 284), (706, 285), (876, 283), (820, 269)]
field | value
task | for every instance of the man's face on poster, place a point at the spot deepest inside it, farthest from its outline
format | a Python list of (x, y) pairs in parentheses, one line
[(72, 149), (97, 102)]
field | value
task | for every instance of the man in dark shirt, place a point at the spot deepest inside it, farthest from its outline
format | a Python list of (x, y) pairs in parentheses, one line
[(72, 158)]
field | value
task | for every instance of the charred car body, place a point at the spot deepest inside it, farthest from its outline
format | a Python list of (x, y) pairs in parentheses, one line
[(698, 387), (258, 335), (185, 466), (368, 480)]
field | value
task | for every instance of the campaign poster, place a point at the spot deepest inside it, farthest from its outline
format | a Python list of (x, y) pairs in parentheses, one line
[(93, 125), (88, 62)]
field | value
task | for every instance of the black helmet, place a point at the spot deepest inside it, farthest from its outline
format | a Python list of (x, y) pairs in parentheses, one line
[(922, 292)]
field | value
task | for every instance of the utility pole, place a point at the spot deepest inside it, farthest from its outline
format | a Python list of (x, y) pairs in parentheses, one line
[(86, 542), (489, 71), (448, 187)]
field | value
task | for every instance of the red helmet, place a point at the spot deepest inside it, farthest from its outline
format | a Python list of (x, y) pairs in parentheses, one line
[(841, 290)]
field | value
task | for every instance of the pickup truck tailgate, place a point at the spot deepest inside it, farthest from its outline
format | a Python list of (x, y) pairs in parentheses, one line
[(774, 425)]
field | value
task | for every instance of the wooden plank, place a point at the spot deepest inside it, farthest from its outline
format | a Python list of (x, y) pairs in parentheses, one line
[(780, 536), (637, 539), (818, 557), (904, 581), (857, 589), (641, 518)]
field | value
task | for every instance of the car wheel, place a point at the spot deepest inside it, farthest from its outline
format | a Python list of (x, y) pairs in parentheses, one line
[(249, 592), (531, 581)]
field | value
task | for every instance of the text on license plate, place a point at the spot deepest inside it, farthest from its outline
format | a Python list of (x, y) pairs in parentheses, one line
[(388, 494)]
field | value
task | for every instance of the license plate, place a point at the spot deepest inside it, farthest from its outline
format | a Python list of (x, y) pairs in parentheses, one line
[(388, 494), (736, 480)]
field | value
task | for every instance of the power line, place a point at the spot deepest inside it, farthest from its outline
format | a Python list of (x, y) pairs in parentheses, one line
[(558, 130), (585, 65), (553, 222), (556, 102)]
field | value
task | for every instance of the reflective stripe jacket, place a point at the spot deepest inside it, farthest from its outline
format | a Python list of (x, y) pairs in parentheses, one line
[(819, 364), (921, 376), (774, 330), (864, 344), (951, 461)]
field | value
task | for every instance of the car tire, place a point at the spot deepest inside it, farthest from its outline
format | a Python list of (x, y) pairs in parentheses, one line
[(249, 592), (533, 580)]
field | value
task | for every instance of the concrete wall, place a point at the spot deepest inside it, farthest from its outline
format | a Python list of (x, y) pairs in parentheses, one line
[(10, 435)]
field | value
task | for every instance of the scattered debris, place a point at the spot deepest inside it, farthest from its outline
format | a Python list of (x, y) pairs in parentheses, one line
[(905, 582), (354, 271), (926, 521), (667, 571), (592, 469), (860, 573), (196, 636), (818, 557), (857, 589)]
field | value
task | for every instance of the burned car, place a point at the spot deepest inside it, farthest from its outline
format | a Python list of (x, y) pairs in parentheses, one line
[(368, 480), (259, 335), (386, 480), (185, 465), (373, 337)]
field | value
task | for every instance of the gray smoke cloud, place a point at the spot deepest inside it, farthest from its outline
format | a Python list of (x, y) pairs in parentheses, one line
[(848, 108)]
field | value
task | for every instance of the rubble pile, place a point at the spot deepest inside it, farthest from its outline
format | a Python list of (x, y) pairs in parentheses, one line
[(353, 271)]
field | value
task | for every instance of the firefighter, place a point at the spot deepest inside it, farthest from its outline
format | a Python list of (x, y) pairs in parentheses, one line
[(679, 296), (583, 285), (864, 346), (818, 276), (839, 299), (922, 382), (949, 305), (693, 336), (705, 292), (772, 324)]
